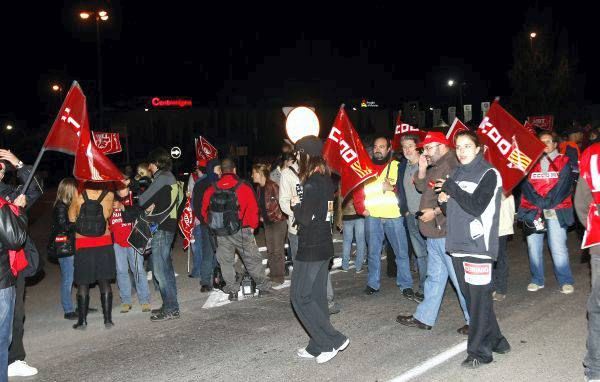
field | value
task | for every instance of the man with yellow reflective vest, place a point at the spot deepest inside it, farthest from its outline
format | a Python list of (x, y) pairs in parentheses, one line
[(376, 200)]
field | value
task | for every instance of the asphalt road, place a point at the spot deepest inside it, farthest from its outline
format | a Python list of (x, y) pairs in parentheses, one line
[(256, 339)]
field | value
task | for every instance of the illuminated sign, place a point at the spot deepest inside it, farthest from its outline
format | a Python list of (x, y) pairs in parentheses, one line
[(171, 102), (365, 103)]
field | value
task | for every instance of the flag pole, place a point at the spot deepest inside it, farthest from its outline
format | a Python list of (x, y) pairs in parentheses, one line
[(31, 174)]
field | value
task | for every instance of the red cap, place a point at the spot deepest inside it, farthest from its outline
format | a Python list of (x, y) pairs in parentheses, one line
[(434, 137)]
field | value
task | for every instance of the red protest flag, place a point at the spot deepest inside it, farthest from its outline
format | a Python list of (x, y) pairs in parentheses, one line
[(545, 122), (186, 223), (589, 167), (529, 127), (404, 129), (509, 147), (66, 129), (457, 126), (204, 151), (91, 164), (107, 143), (346, 155)]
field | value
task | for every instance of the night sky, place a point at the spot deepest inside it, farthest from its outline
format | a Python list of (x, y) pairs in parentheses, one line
[(275, 54)]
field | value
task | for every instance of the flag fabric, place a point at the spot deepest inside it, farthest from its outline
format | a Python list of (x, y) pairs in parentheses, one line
[(66, 129), (457, 126), (70, 134), (509, 146), (346, 155), (107, 143), (589, 167), (204, 151), (186, 223), (404, 129), (545, 122), (529, 127)]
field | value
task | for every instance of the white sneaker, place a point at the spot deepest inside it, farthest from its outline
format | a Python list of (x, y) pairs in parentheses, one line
[(344, 345), (326, 356), (534, 287), (302, 353), (567, 289), (21, 369), (149, 276)]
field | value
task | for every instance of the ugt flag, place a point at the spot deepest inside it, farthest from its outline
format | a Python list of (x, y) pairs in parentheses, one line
[(70, 134), (107, 143), (186, 223), (589, 167), (509, 147), (346, 155), (404, 129), (204, 151), (457, 126)]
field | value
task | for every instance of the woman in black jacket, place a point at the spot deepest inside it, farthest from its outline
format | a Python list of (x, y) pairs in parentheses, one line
[(472, 195), (313, 214), (67, 189)]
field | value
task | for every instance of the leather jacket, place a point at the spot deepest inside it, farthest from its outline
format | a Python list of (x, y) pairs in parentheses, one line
[(13, 233), (271, 196)]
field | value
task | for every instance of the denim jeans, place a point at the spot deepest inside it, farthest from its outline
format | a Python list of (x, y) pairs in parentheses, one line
[(592, 357), (419, 245), (196, 252), (557, 241), (204, 243), (354, 229), (162, 269), (439, 269), (393, 229), (127, 258), (66, 282), (7, 306)]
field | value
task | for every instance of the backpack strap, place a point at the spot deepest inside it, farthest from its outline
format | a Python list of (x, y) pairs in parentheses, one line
[(85, 196), (214, 184), (102, 195), (294, 171)]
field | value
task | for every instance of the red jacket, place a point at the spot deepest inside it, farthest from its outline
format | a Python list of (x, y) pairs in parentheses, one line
[(543, 183), (246, 199)]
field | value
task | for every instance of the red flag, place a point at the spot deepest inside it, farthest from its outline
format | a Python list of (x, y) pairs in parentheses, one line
[(529, 127), (545, 122), (107, 143), (589, 167), (509, 147), (186, 223), (345, 154), (457, 126), (204, 151), (66, 129), (403, 129)]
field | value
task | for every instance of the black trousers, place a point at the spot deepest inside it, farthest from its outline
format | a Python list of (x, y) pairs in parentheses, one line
[(484, 332), (308, 293), (501, 268), (16, 351)]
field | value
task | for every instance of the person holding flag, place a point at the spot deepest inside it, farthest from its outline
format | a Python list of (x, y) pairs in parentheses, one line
[(546, 208), (587, 206), (377, 201)]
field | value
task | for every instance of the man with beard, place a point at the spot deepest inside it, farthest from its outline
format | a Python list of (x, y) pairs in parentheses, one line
[(376, 200)]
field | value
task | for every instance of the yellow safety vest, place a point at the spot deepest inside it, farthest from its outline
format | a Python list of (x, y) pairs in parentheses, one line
[(382, 204)]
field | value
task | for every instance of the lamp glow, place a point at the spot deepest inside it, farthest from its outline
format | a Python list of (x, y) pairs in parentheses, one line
[(300, 122)]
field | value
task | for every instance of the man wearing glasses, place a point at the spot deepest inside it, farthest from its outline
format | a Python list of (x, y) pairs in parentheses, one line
[(438, 161)]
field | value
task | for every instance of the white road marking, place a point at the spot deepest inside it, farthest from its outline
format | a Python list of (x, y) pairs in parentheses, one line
[(431, 363)]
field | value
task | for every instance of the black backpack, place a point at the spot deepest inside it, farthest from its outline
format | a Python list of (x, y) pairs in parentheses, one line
[(91, 221), (223, 211)]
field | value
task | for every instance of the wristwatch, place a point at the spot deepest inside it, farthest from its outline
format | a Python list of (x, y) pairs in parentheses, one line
[(19, 165)]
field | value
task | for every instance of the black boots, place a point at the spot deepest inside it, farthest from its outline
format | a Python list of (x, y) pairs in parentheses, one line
[(106, 300), (83, 303)]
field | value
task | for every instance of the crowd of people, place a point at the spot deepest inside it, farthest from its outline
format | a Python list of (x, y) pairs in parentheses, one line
[(436, 200)]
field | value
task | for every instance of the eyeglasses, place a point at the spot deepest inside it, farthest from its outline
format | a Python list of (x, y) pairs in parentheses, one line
[(431, 148)]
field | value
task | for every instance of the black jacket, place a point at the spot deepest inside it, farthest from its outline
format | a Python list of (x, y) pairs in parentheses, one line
[(13, 234), (33, 193), (400, 192), (314, 230)]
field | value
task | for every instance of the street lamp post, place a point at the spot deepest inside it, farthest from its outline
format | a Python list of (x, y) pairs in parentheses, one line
[(532, 35), (100, 15), (451, 83)]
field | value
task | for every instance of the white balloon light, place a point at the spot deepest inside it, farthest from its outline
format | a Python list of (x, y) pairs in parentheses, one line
[(300, 122)]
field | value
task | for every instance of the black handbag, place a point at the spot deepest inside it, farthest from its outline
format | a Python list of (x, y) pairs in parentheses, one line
[(61, 245)]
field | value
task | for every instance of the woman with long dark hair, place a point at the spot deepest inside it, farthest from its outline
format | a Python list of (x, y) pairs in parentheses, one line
[(471, 197), (313, 212)]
